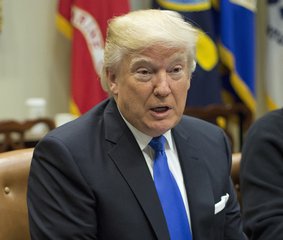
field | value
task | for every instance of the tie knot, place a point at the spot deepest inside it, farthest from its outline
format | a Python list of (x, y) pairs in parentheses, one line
[(157, 143)]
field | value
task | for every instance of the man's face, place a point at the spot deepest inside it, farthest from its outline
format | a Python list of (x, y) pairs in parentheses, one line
[(151, 88)]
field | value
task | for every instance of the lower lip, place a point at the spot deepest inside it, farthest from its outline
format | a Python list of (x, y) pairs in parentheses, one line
[(160, 115)]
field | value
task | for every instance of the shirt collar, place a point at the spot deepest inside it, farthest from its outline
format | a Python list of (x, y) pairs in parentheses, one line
[(143, 139)]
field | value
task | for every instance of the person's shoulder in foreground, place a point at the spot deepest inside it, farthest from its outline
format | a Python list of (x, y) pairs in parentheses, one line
[(98, 176), (261, 178)]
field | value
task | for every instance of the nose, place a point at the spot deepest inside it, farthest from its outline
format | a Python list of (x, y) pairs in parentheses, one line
[(162, 86)]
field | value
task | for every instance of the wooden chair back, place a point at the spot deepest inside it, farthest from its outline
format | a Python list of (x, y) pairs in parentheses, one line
[(226, 116), (13, 134), (235, 173)]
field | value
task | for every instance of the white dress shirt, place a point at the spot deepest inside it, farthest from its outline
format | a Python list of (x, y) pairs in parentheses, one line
[(172, 158)]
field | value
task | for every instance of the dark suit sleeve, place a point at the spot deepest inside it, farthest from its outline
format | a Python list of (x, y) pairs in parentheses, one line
[(262, 180), (60, 203)]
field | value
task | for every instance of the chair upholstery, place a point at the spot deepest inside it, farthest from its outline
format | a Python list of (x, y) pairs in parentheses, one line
[(14, 170), (235, 173)]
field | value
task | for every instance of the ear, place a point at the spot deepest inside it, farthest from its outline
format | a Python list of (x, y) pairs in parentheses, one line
[(112, 82)]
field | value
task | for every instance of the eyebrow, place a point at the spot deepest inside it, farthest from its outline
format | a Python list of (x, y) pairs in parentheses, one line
[(146, 60), (141, 59), (135, 62)]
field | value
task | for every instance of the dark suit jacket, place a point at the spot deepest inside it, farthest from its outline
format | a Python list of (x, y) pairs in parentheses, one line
[(89, 180), (261, 178)]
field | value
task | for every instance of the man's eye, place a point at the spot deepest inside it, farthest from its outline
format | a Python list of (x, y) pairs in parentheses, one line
[(176, 69), (143, 74), (177, 72), (143, 71)]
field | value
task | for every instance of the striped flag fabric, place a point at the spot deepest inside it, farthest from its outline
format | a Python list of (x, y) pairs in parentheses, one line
[(84, 22), (274, 54), (237, 49)]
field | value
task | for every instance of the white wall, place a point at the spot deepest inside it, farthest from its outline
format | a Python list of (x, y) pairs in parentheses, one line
[(261, 58), (34, 58)]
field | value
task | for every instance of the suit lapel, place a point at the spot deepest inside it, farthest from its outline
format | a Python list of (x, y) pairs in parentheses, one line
[(129, 160), (131, 164), (197, 183)]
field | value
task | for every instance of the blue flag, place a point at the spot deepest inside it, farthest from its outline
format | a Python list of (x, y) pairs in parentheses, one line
[(237, 49)]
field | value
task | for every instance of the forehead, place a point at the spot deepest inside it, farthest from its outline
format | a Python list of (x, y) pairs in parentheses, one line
[(159, 54)]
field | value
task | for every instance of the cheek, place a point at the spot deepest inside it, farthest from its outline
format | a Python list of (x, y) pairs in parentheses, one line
[(131, 96), (180, 95), (182, 88), (138, 91)]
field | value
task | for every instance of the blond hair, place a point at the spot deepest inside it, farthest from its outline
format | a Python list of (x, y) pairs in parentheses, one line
[(138, 30)]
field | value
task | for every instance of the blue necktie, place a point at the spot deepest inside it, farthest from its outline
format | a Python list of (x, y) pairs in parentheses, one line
[(169, 193)]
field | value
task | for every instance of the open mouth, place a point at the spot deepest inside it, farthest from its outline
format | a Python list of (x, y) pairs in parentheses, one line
[(160, 109)]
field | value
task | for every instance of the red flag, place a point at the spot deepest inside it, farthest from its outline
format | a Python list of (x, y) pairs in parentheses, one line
[(85, 23)]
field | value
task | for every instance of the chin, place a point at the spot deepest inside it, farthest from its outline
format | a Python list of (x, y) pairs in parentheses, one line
[(158, 130)]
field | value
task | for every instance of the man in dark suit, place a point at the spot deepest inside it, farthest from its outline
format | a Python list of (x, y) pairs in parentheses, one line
[(261, 178), (99, 177)]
